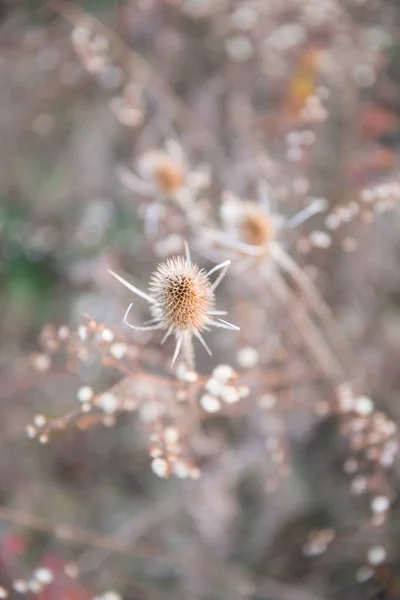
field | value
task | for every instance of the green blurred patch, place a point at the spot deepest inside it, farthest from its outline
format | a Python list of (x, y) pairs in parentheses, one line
[(28, 280), (36, 11), (29, 288), (93, 5)]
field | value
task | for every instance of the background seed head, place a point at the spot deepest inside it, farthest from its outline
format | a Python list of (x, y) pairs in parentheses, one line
[(167, 173), (255, 227)]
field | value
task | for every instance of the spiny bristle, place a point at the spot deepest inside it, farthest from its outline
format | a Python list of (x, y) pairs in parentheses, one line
[(255, 227), (183, 295)]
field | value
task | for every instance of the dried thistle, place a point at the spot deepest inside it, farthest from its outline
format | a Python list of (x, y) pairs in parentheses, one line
[(165, 172), (165, 175), (161, 172), (183, 294), (182, 302), (253, 228)]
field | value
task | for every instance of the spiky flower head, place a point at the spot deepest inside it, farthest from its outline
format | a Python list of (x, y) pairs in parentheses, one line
[(248, 221), (166, 172), (182, 302), (183, 294), (255, 227)]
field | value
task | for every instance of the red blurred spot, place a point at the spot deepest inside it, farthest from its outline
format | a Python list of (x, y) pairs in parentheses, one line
[(376, 120), (377, 162), (13, 544), (62, 586)]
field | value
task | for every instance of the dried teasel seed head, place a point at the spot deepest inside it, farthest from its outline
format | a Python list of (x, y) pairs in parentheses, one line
[(255, 226), (249, 221), (182, 303), (167, 173), (183, 294)]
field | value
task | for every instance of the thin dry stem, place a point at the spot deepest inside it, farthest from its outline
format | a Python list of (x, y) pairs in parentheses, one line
[(317, 346)]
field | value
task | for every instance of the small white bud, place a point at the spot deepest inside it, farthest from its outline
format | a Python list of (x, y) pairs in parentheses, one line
[(320, 239), (230, 394), (108, 402), (267, 401), (376, 555), (39, 420), (223, 373), (160, 467), (149, 412), (332, 221), (181, 470), (30, 431), (118, 351), (111, 596), (171, 435), (80, 35), (107, 335), (380, 504), (247, 357), (42, 362), (209, 403), (20, 586), (63, 333), (85, 394), (239, 48), (183, 374), (191, 376), (346, 398), (82, 333), (364, 406), (358, 485), (213, 386), (44, 576)]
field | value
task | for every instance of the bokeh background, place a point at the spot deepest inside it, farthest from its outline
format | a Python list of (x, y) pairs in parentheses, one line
[(231, 87)]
